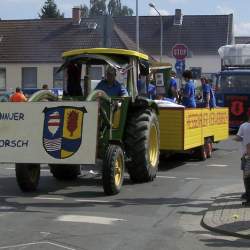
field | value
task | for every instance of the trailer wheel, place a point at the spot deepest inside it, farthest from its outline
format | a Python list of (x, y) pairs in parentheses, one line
[(65, 172), (201, 153), (142, 144), (27, 176), (113, 170), (209, 148)]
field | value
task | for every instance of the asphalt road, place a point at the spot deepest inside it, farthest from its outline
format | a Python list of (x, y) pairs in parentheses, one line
[(163, 214)]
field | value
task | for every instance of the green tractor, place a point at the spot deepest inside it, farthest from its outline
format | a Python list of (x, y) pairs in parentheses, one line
[(127, 130)]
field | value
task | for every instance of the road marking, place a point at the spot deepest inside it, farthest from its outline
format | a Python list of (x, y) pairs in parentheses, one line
[(191, 178), (88, 219), (7, 208), (218, 165), (94, 201), (166, 177), (37, 243), (48, 198), (42, 170)]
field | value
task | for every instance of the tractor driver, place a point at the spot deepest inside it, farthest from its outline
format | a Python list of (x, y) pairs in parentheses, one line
[(110, 86)]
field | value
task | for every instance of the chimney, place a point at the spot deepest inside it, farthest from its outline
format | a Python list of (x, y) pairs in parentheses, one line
[(76, 15), (178, 17)]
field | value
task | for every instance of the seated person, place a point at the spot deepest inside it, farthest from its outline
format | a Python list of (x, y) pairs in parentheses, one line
[(110, 86)]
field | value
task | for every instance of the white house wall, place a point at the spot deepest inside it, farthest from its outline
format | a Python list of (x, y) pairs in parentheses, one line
[(14, 74), (209, 64)]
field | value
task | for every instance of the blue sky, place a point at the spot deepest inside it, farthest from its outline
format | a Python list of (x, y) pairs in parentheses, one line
[(28, 9)]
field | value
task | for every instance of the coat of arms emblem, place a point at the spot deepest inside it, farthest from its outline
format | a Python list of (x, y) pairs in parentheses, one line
[(62, 130)]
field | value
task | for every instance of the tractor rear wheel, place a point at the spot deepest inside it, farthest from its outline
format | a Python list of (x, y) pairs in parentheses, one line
[(142, 144), (113, 170), (65, 172), (27, 176)]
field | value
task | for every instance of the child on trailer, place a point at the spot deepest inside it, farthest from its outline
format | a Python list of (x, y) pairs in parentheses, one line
[(245, 165)]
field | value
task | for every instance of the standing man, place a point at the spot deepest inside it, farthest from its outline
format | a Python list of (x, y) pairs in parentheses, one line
[(208, 94), (172, 91), (188, 95), (243, 136), (18, 96)]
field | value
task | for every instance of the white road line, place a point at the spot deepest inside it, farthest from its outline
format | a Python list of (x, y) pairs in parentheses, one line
[(166, 177), (94, 201), (42, 170), (48, 198), (218, 165), (6, 208), (37, 243), (89, 219), (191, 178)]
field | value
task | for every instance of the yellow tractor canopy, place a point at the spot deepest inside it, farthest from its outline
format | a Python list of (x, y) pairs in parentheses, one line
[(105, 51)]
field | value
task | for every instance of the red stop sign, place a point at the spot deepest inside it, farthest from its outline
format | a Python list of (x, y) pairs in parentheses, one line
[(180, 51)]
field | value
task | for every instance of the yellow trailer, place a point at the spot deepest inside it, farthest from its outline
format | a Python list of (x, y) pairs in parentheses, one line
[(183, 129)]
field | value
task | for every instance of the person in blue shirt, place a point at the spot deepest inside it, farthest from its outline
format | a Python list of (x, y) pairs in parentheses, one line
[(188, 95), (151, 91), (110, 86), (208, 94), (172, 91)]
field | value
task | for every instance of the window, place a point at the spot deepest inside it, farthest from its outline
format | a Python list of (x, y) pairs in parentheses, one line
[(238, 82), (2, 78), (196, 72), (57, 78), (29, 77), (96, 72)]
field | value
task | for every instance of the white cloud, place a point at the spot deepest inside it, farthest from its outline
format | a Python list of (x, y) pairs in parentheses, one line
[(224, 10), (242, 29), (152, 12)]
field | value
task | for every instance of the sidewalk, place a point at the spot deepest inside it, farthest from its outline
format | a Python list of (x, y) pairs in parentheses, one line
[(228, 216)]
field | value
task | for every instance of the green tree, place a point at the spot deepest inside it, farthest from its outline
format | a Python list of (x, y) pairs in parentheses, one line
[(49, 10), (126, 11), (84, 10), (115, 8), (98, 8)]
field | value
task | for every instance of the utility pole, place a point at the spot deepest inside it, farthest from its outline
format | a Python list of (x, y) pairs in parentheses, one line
[(137, 28)]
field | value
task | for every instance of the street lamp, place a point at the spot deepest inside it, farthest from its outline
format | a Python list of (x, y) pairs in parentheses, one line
[(153, 6)]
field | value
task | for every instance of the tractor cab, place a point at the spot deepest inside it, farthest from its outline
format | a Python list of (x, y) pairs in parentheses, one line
[(85, 68)]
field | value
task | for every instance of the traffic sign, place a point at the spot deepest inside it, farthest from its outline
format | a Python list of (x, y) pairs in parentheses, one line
[(180, 51), (180, 66)]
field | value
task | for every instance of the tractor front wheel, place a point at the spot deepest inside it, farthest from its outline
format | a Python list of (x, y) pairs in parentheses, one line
[(113, 170), (27, 176)]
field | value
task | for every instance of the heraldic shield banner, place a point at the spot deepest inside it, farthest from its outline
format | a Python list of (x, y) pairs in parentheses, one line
[(62, 130)]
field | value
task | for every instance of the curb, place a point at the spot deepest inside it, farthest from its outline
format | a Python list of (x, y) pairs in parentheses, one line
[(205, 225)]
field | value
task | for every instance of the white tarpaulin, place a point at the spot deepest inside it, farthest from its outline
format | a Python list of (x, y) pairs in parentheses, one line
[(235, 55), (168, 104), (48, 132)]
